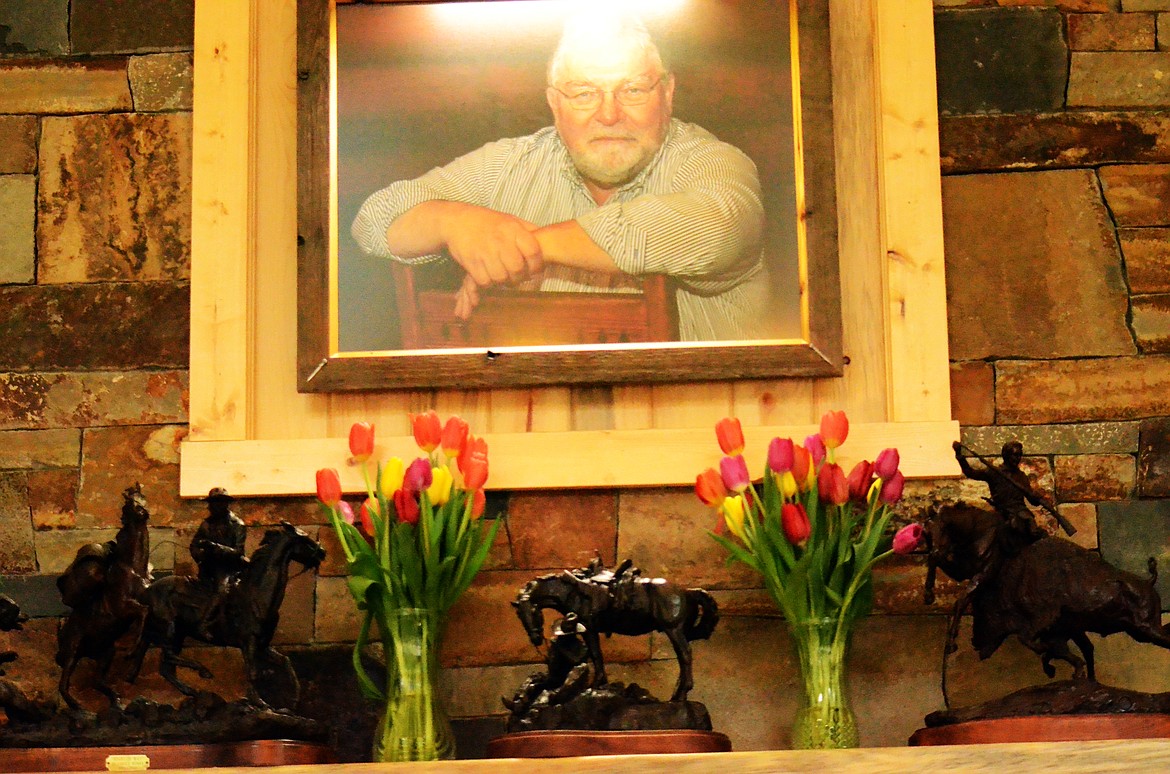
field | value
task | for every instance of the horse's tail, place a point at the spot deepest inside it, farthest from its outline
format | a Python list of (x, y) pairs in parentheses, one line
[(703, 615)]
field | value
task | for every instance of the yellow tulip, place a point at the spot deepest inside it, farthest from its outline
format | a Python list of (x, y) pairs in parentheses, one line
[(392, 474), (440, 489), (787, 483), (733, 515)]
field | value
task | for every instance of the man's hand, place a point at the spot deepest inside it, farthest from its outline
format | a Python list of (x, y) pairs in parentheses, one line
[(466, 298), (493, 248)]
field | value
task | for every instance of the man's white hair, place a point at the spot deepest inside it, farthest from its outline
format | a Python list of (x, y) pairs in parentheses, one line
[(589, 30)]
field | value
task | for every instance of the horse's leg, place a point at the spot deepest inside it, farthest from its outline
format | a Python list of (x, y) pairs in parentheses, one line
[(593, 643), (101, 682), (63, 683), (1054, 649), (682, 651), (278, 659), (1082, 641), (171, 647)]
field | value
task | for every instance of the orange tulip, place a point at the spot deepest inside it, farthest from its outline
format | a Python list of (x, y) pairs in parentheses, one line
[(832, 484), (802, 467), (834, 428), (478, 503), (369, 507), (473, 463), (361, 441), (453, 437), (729, 433), (428, 431), (709, 487), (328, 486)]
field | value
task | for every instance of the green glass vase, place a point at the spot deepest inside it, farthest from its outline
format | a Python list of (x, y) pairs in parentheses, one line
[(824, 720), (414, 725)]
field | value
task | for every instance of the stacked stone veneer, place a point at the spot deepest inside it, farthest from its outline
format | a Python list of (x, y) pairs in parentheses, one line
[(1055, 130)]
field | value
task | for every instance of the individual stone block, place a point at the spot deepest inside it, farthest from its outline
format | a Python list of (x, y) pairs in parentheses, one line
[(1145, 5), (1147, 258), (973, 393), (1034, 392), (335, 614), (297, 614), (1111, 32), (116, 457), (56, 548), (115, 198), (17, 200), (1153, 462), (1118, 79), (1138, 194), (107, 326), (161, 82), (18, 144), (66, 86), (16, 534), (31, 401), (1095, 477), (978, 143), (1163, 31), (1151, 322), (34, 27), (1077, 311), (52, 496), (1134, 531), (131, 26), (37, 595), (559, 530), (1081, 438), (39, 448), (664, 532), (1083, 517), (996, 61)]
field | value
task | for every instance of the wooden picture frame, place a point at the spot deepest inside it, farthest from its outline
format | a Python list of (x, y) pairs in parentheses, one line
[(252, 431), (813, 349)]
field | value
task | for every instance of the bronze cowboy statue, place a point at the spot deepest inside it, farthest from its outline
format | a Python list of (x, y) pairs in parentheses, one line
[(218, 550)]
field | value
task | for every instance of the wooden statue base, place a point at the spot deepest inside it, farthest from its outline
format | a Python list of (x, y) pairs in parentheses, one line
[(1048, 728), (563, 744), (268, 752)]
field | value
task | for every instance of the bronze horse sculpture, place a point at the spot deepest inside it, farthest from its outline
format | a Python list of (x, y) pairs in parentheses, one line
[(104, 586), (629, 606), (1046, 593), (247, 618)]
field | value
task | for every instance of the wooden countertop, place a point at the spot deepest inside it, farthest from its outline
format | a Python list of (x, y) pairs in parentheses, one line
[(1063, 757)]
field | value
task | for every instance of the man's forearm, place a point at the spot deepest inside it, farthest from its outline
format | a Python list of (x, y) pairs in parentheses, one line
[(567, 244), (420, 230)]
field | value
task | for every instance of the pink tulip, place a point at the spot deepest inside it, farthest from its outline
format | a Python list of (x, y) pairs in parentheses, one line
[(860, 479), (908, 538), (892, 488), (780, 455), (729, 433), (418, 476), (832, 485), (328, 486), (734, 472), (361, 441), (346, 511), (886, 464), (834, 428), (709, 487), (794, 522), (428, 433), (816, 447)]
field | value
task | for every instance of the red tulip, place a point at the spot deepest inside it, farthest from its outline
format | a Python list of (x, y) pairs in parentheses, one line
[(831, 484), (709, 487), (361, 441), (860, 479), (478, 503), (473, 462), (406, 506), (892, 488), (734, 473), (428, 432), (453, 437), (794, 522), (816, 447), (328, 486), (729, 433), (370, 506), (780, 455), (908, 538), (418, 475), (834, 428), (801, 467), (886, 464)]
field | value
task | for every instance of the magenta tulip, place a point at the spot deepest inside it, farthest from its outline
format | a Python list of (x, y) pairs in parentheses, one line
[(816, 447), (886, 464), (892, 488), (734, 472), (780, 455), (908, 538), (860, 479), (418, 476)]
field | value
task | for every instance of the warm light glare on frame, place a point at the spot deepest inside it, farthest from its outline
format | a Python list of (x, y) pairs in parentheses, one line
[(513, 13)]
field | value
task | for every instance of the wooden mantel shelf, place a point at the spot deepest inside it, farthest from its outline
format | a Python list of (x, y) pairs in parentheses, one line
[(1063, 757)]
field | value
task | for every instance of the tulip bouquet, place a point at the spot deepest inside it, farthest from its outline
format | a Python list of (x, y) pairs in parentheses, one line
[(412, 548), (814, 534)]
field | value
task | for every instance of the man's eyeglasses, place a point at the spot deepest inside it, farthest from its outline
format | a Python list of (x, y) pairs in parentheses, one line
[(590, 98)]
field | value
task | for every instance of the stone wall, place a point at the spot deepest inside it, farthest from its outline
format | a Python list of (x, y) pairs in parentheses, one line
[(1055, 132)]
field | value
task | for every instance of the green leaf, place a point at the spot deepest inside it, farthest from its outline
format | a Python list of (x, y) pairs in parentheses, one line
[(365, 684)]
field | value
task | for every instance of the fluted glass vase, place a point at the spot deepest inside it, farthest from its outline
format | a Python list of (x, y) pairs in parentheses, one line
[(824, 720), (414, 725)]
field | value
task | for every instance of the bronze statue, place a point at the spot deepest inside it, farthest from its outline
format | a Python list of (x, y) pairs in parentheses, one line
[(622, 602), (104, 586), (568, 670), (248, 614), (218, 550), (1047, 593), (14, 702)]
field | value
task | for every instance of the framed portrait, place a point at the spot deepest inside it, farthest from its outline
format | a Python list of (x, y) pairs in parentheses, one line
[(388, 91)]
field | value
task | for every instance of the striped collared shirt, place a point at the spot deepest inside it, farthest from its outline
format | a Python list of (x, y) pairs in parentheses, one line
[(694, 213)]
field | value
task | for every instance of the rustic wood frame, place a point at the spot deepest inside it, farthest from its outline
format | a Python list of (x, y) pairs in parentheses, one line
[(254, 433), (322, 368)]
